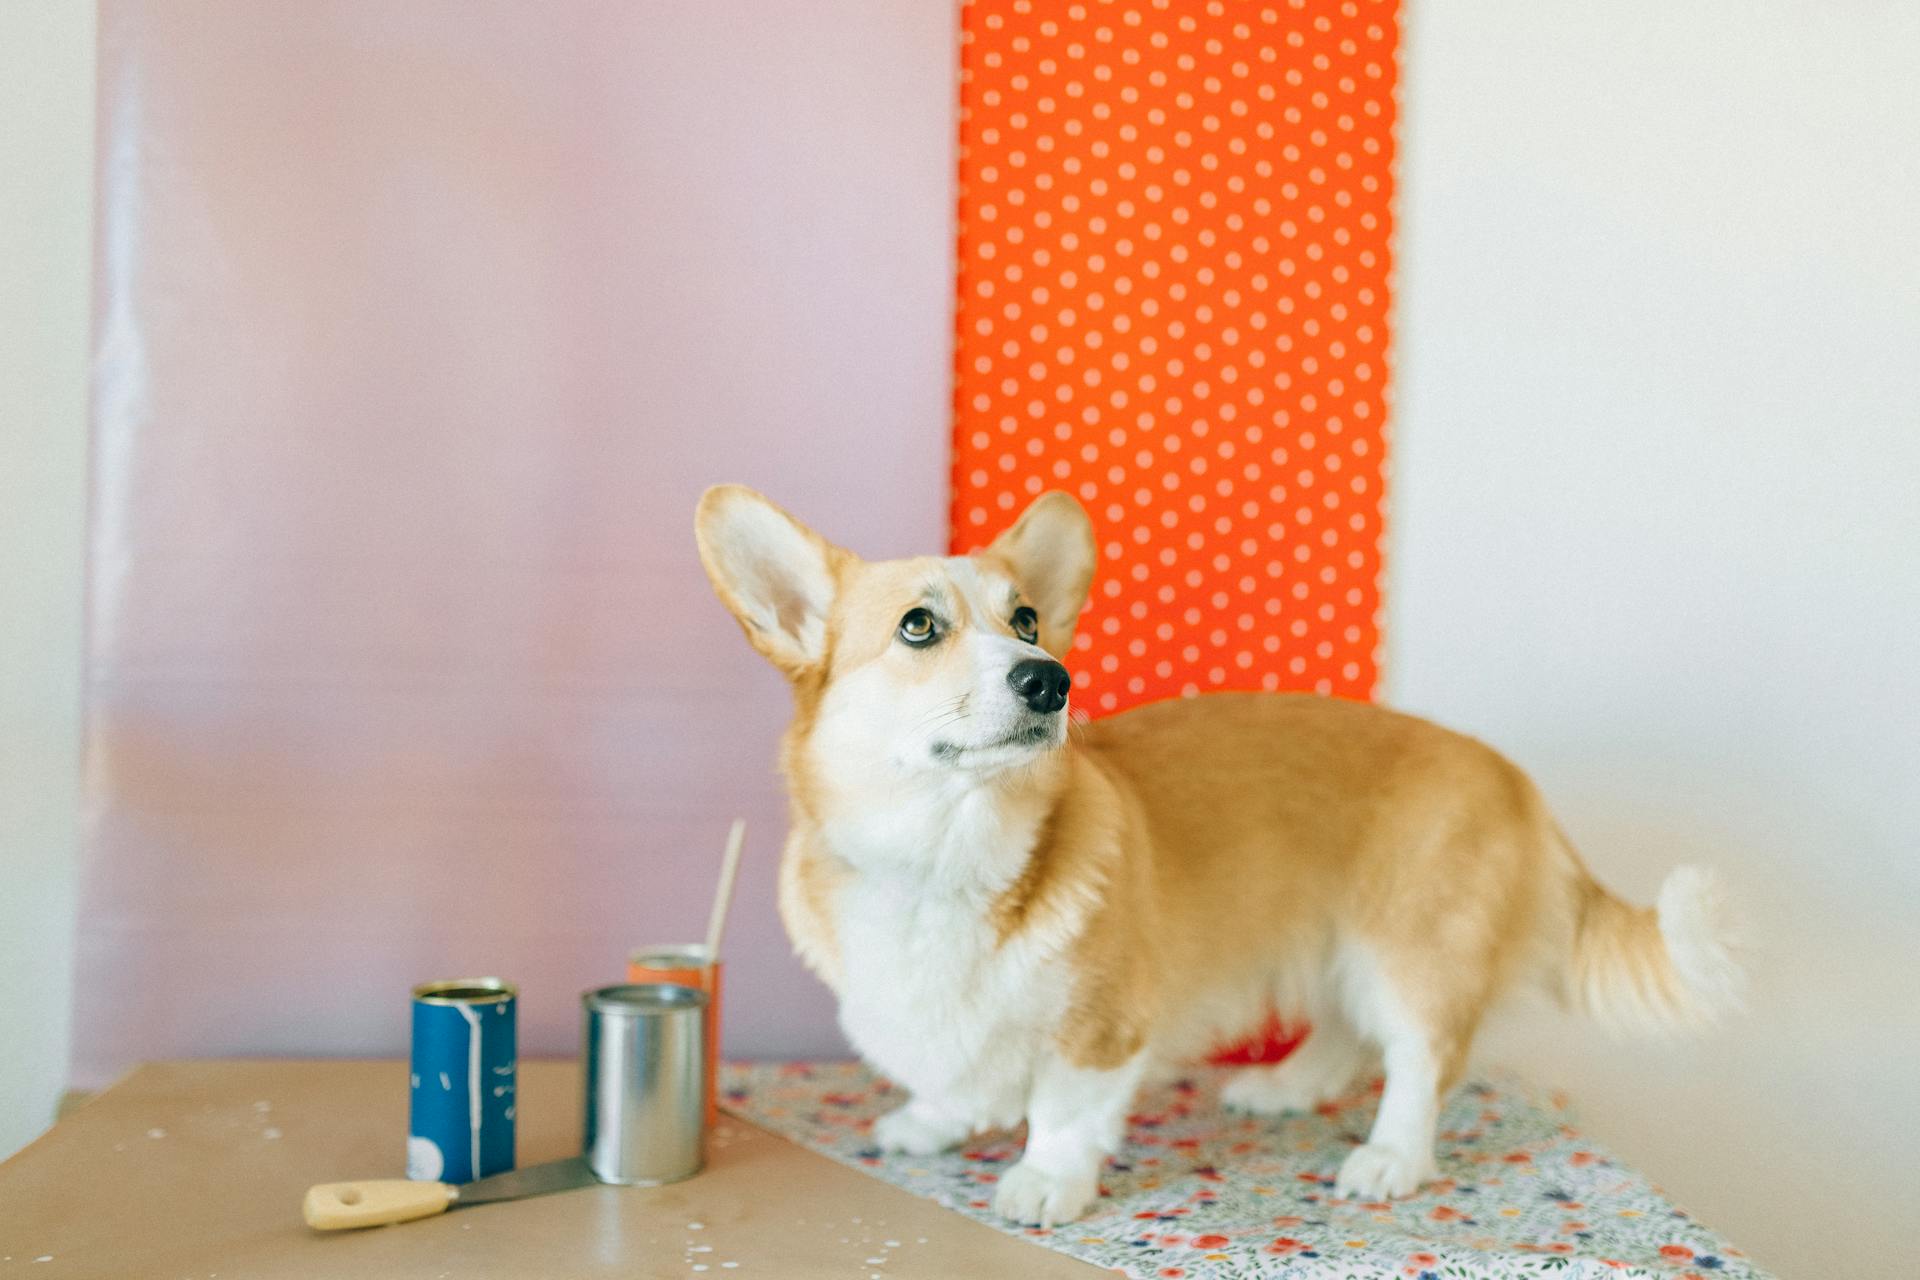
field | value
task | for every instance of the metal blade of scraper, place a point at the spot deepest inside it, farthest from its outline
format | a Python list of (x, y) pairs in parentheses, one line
[(535, 1180)]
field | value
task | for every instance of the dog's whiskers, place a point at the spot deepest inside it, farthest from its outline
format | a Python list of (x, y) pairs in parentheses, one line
[(949, 712)]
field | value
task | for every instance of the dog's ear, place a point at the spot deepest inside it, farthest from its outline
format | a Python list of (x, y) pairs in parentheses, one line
[(1050, 548), (776, 575)]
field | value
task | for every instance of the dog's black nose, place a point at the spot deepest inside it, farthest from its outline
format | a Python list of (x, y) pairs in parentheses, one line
[(1041, 683)]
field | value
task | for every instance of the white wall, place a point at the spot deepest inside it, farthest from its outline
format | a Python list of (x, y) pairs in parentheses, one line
[(46, 182), (1655, 529)]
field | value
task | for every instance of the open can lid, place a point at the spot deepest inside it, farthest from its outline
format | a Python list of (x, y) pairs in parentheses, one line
[(670, 955), (643, 999), (465, 991)]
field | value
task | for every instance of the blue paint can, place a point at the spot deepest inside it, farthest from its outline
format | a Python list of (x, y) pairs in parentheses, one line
[(465, 1060)]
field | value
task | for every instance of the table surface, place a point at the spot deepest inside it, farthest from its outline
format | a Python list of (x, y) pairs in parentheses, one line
[(197, 1169)]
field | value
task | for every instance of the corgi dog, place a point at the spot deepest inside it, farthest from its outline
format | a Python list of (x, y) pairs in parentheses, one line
[(1022, 915)]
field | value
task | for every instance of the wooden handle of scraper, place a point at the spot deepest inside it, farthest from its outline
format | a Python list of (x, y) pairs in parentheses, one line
[(334, 1206)]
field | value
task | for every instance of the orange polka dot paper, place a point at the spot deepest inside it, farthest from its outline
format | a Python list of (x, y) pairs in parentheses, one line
[(1173, 292)]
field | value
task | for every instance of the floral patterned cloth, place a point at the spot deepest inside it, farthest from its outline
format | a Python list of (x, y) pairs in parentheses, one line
[(1202, 1192)]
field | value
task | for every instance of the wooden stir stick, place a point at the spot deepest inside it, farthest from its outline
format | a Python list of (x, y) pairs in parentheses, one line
[(723, 896)]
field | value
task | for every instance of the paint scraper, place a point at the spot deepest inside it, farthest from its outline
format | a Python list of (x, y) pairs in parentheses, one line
[(332, 1206)]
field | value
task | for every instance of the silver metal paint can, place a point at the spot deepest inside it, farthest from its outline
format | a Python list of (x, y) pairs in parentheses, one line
[(644, 1059)]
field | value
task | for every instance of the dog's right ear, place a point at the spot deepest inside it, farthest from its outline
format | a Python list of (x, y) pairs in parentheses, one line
[(776, 575)]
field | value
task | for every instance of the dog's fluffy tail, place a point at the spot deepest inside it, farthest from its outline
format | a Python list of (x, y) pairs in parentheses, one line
[(1673, 966)]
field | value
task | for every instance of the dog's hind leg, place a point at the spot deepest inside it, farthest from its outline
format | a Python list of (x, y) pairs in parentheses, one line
[(1320, 1069), (1424, 1043), (1076, 1117)]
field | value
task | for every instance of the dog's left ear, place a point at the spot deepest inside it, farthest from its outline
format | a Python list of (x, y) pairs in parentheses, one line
[(1050, 549)]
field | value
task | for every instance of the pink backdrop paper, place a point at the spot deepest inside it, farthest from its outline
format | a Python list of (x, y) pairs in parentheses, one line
[(420, 329)]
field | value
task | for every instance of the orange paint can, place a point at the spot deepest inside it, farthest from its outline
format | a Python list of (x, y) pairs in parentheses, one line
[(685, 965)]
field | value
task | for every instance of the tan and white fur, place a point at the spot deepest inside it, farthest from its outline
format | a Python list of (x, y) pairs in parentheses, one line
[(1023, 916)]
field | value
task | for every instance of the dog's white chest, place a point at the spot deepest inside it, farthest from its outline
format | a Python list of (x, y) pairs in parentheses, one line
[(930, 997)]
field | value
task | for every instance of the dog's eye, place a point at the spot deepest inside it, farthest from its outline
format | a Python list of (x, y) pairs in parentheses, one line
[(1026, 624), (917, 628)]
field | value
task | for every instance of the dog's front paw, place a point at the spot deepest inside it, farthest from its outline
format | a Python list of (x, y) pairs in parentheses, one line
[(1030, 1195), (1381, 1172), (914, 1132)]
